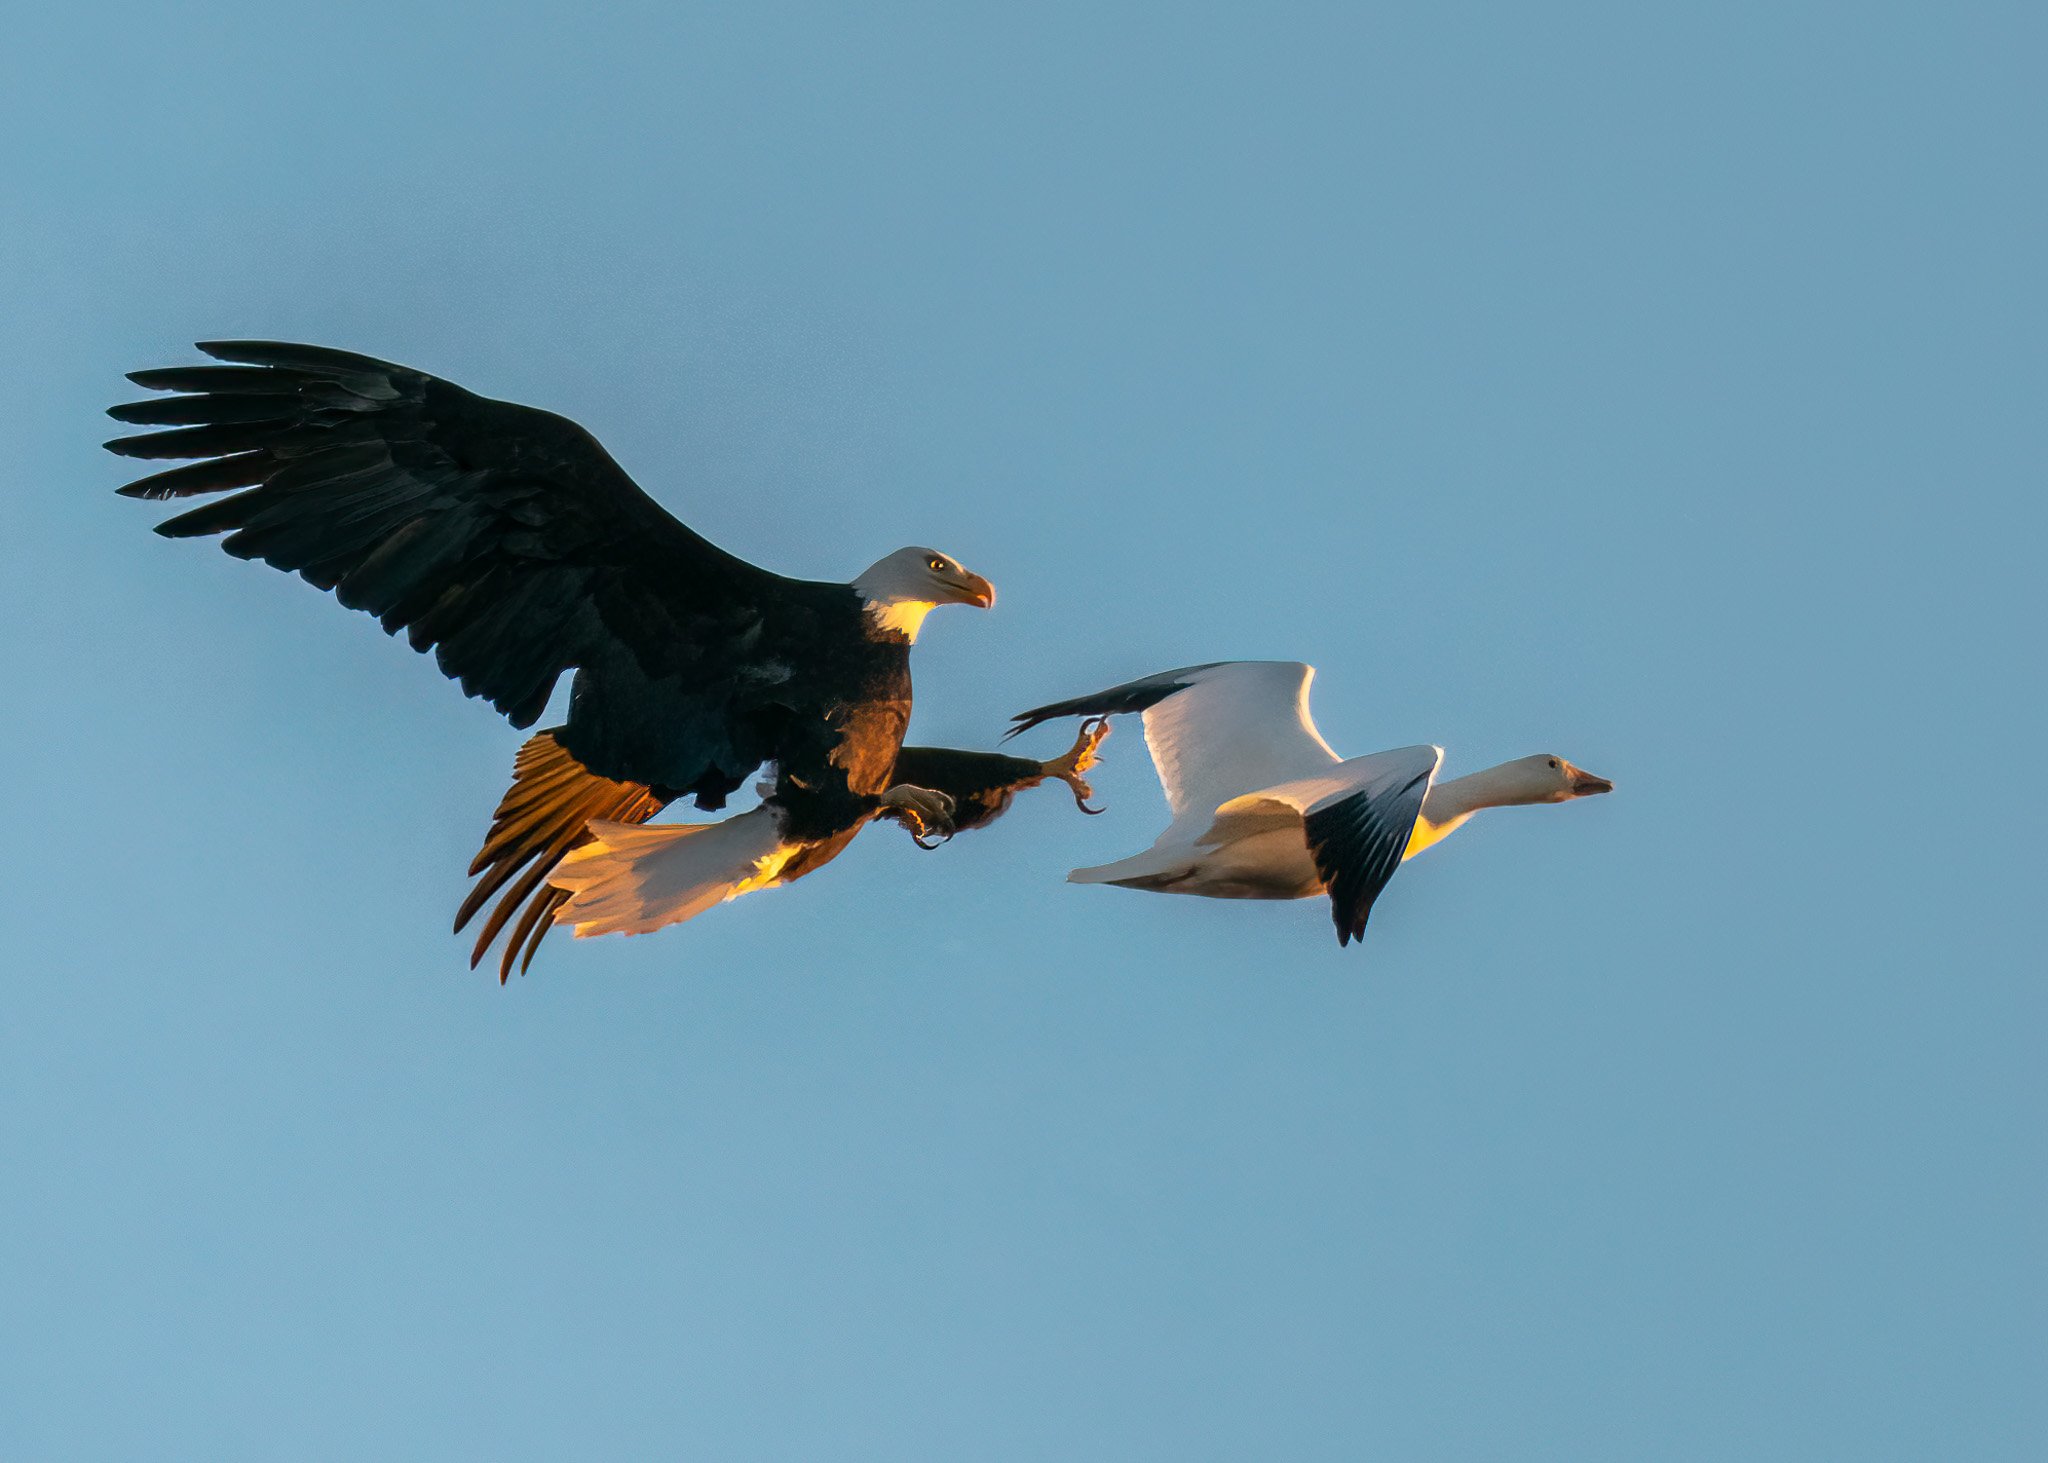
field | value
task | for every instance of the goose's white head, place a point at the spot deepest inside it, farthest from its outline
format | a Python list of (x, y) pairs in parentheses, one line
[(899, 590), (1547, 779)]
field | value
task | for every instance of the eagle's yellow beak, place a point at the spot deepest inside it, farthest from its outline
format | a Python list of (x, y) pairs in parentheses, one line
[(972, 589)]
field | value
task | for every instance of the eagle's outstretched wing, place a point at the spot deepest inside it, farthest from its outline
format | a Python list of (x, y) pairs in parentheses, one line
[(501, 537)]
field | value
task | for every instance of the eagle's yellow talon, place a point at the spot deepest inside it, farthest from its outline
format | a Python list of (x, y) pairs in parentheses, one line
[(1078, 759)]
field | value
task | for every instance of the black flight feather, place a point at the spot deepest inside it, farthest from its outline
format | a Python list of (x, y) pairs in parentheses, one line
[(1357, 843), (508, 541), (1139, 695)]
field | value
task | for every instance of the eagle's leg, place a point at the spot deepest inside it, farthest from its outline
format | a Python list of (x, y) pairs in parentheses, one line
[(922, 810), (1078, 759)]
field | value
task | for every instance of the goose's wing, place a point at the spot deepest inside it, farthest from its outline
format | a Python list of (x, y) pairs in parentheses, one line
[(1357, 823), (1215, 731), (503, 537)]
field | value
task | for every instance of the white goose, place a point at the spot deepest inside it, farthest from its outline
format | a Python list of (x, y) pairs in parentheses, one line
[(1263, 809)]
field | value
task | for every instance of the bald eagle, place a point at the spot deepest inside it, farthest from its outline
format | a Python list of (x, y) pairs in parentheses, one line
[(507, 541)]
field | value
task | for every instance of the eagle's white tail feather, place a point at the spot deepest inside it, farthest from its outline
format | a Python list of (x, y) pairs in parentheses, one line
[(631, 879)]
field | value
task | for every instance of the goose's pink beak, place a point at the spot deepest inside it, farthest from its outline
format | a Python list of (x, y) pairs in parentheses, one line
[(1585, 784)]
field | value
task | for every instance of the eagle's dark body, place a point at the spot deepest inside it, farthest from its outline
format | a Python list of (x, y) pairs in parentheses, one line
[(506, 540)]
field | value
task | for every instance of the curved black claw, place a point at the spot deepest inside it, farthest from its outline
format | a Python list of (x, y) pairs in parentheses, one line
[(921, 811)]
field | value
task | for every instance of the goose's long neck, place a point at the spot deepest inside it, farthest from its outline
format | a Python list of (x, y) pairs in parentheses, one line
[(1449, 804)]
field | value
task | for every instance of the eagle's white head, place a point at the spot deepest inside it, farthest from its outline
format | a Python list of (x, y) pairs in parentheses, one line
[(899, 590)]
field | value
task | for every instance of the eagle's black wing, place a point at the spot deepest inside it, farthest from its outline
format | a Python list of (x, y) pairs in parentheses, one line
[(502, 537)]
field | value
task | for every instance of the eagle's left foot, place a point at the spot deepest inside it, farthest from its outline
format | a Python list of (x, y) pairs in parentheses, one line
[(922, 810), (1078, 759)]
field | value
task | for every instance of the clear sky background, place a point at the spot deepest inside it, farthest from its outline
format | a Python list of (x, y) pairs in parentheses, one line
[(1658, 386)]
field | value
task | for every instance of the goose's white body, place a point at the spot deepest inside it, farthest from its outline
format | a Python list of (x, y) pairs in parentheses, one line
[(1264, 809), (1238, 857)]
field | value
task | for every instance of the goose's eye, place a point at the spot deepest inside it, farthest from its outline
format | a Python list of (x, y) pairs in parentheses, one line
[(1553, 762), (938, 566)]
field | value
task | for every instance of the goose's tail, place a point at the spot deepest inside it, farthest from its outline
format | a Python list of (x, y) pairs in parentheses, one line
[(1155, 868), (629, 880)]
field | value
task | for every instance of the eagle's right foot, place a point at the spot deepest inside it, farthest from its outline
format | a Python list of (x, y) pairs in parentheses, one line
[(924, 811), (1072, 768)]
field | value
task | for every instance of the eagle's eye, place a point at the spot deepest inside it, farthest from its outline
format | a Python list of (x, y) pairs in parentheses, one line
[(937, 566)]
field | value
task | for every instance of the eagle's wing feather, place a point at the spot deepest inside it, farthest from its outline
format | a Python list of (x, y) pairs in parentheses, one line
[(545, 813), (501, 537)]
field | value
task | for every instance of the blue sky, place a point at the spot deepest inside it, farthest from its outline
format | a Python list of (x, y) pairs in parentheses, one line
[(1658, 386)]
